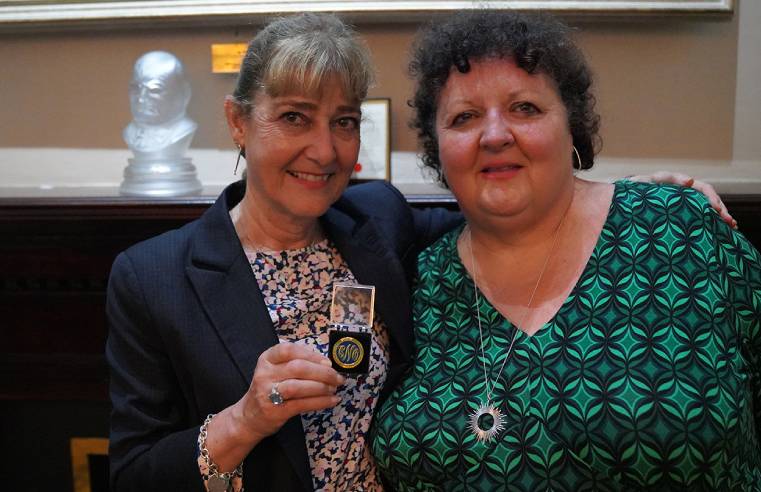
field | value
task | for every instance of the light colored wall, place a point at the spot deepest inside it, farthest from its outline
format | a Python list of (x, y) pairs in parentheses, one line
[(675, 91), (666, 89), (747, 134)]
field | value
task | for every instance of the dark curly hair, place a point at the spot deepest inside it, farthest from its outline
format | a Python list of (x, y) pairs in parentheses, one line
[(537, 43)]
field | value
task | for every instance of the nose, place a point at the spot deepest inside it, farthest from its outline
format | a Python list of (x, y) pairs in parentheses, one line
[(497, 132), (322, 148), (142, 94)]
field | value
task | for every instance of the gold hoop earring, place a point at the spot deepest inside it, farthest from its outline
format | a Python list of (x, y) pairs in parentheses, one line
[(578, 158), (241, 153)]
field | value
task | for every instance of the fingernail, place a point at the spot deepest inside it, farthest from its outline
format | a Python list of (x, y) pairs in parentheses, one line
[(332, 389), (341, 380), (336, 399), (326, 362)]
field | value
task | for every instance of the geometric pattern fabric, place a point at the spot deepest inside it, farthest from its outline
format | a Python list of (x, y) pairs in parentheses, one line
[(647, 378)]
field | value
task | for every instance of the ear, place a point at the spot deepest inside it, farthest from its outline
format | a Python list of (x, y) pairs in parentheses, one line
[(236, 121)]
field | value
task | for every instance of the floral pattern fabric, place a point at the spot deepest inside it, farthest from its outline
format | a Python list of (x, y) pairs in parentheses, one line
[(297, 286), (647, 378)]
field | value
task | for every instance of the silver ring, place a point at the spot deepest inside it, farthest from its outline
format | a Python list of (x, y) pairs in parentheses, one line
[(275, 397)]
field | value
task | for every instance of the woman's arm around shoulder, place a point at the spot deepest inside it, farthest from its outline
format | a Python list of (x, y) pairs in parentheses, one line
[(416, 227), (429, 223), (666, 177)]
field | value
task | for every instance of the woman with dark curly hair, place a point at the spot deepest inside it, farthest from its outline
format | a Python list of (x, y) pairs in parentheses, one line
[(572, 335)]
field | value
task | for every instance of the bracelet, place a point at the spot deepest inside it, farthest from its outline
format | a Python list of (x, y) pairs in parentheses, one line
[(214, 481)]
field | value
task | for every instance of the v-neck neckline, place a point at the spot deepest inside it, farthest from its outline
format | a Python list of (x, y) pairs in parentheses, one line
[(485, 303)]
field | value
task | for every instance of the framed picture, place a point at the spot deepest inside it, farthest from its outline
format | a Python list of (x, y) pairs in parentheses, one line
[(375, 150), (89, 463), (35, 13)]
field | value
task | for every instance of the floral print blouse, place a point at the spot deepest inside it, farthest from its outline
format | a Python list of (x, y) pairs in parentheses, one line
[(297, 287)]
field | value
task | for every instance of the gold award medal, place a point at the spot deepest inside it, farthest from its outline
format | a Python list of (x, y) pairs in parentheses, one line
[(349, 351)]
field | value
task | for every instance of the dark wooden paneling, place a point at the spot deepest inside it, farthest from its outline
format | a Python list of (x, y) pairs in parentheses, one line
[(746, 209), (55, 257)]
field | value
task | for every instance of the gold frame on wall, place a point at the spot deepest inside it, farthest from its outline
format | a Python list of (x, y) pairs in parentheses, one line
[(52, 13), (81, 449)]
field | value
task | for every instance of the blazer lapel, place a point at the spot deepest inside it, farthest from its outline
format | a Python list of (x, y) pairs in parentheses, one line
[(225, 285), (232, 300)]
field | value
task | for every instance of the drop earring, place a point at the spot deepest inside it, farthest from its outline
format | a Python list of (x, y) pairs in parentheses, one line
[(241, 153), (578, 158)]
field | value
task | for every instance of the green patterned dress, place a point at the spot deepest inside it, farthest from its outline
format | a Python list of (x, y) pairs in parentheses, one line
[(647, 378)]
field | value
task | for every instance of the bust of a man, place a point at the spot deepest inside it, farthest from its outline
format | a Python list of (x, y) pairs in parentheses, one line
[(159, 94)]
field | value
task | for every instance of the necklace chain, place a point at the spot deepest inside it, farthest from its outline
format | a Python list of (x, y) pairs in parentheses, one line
[(490, 386)]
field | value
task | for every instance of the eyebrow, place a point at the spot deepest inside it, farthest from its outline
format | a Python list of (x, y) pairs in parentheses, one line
[(305, 105), (466, 100), (299, 104), (349, 109), (512, 94)]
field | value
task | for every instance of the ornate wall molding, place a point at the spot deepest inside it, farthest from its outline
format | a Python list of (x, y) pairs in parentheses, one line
[(67, 13)]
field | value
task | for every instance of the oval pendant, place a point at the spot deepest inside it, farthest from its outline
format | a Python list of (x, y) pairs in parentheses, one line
[(486, 422)]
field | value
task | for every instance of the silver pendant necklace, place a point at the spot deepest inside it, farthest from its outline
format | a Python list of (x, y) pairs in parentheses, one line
[(487, 421)]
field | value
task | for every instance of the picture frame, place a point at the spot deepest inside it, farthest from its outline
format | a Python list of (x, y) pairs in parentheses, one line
[(30, 14), (89, 457), (374, 161)]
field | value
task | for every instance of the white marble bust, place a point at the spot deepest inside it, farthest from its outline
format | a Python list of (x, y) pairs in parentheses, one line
[(159, 94)]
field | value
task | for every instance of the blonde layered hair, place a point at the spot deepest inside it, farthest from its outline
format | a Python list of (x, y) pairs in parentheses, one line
[(299, 55)]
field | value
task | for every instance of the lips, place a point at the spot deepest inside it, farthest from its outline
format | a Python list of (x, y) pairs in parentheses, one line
[(500, 171), (310, 176), (499, 168)]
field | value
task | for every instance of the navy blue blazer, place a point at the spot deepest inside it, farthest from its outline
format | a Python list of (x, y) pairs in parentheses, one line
[(187, 324)]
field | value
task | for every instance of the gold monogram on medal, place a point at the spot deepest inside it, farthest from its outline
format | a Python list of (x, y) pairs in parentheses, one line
[(349, 351)]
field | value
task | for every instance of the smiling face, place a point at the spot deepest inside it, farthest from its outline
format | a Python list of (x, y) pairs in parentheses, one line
[(504, 142), (300, 150)]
